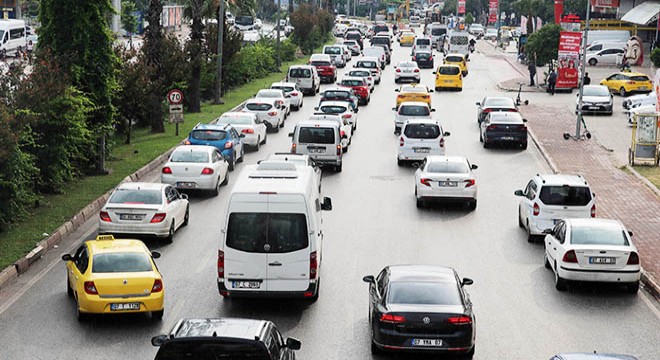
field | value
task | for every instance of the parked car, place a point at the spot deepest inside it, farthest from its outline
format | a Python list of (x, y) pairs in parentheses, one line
[(420, 138), (196, 167), (639, 100), (223, 137), (446, 179), (596, 99), (609, 56), (503, 128)]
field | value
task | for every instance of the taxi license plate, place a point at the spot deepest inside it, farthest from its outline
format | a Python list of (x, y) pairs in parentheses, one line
[(602, 260), (124, 306), (186, 185), (134, 217), (448, 183), (246, 284), (421, 150), (427, 342), (642, 88), (447, 81)]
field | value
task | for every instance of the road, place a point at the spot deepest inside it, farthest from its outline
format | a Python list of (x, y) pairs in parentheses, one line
[(520, 316)]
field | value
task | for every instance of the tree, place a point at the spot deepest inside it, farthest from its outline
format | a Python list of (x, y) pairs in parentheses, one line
[(543, 44), (128, 19), (153, 42), (194, 48)]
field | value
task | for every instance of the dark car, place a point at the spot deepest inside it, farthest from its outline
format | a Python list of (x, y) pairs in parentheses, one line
[(421, 308), (225, 338), (494, 103), (381, 40), (592, 356), (341, 94), (424, 59), (503, 128), (354, 35)]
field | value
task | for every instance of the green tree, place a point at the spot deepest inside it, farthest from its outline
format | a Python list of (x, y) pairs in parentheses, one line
[(655, 57), (153, 42), (543, 44), (194, 49), (469, 19), (128, 19)]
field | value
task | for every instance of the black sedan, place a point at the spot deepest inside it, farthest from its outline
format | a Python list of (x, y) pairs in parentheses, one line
[(493, 104), (503, 128), (420, 308), (424, 59)]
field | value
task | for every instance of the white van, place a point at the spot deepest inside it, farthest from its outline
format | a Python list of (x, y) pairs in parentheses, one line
[(272, 235), (421, 43), (459, 42), (414, 21), (306, 77), (602, 45), (14, 36), (377, 52), (436, 31), (613, 36), (319, 139)]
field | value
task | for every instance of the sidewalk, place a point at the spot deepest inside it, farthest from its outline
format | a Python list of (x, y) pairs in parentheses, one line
[(619, 194)]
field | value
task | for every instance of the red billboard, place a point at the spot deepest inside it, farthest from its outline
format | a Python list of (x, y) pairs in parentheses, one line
[(568, 59), (461, 6), (492, 11)]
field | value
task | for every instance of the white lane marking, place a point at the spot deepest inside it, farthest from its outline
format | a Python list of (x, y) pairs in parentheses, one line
[(204, 263)]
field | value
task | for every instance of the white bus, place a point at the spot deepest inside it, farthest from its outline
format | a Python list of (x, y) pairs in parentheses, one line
[(14, 36)]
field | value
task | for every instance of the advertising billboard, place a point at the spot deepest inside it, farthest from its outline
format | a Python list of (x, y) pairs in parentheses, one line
[(568, 58)]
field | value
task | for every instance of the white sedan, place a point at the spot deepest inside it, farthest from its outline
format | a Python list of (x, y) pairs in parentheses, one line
[(290, 89), (268, 110), (150, 209), (590, 249), (278, 95), (407, 70), (340, 108), (196, 167), (366, 74), (446, 179), (247, 124)]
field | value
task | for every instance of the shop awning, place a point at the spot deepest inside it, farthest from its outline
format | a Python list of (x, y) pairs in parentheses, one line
[(642, 13)]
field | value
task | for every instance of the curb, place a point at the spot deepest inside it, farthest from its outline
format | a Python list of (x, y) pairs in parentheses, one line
[(90, 211), (641, 178)]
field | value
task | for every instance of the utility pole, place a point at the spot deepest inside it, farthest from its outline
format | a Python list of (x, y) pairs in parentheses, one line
[(583, 65), (277, 29), (499, 16), (218, 73)]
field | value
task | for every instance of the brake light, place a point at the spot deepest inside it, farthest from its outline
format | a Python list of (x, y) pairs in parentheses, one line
[(158, 217), (413, 58), (187, 142), (633, 259), (442, 142), (293, 148), (105, 216), (313, 265), (342, 133), (295, 93), (338, 150), (459, 320), (593, 210), (416, 70), (394, 319), (398, 70), (229, 145), (207, 171), (346, 116), (630, 82), (486, 110), (537, 210), (401, 141), (272, 113), (469, 182), (247, 131), (167, 170), (370, 78), (90, 288), (425, 181), (570, 257), (425, 97), (221, 264), (491, 127), (158, 286)]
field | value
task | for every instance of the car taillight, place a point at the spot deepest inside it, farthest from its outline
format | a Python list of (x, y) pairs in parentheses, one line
[(491, 127), (398, 70), (105, 216), (633, 259), (425, 181), (460, 320), (413, 58), (394, 319), (338, 150), (342, 133), (229, 145), (537, 209), (469, 182), (486, 110), (431, 58), (207, 171), (630, 82), (593, 210), (221, 264), (90, 288), (280, 102), (158, 217), (442, 142), (346, 116), (416, 70), (187, 142), (293, 148), (313, 265), (401, 141), (158, 286), (294, 93), (247, 131), (272, 113), (370, 78), (167, 170), (570, 257)]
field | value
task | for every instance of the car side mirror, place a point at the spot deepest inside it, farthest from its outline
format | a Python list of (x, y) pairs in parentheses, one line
[(293, 344), (446, 133), (467, 281), (524, 120), (155, 255), (630, 233), (478, 103), (158, 340), (430, 90), (316, 108), (67, 257), (474, 167), (432, 110), (290, 134), (548, 232), (518, 193), (369, 279), (241, 136), (183, 196), (396, 90), (326, 204)]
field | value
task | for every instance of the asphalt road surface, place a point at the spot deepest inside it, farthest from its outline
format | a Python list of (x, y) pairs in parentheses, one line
[(520, 316)]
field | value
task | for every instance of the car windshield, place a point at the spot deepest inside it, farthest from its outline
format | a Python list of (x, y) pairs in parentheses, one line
[(240, 120), (267, 232), (116, 262), (601, 235), (367, 64), (447, 167), (424, 293), (595, 91), (136, 196), (316, 135), (414, 110), (422, 131), (333, 109), (336, 95), (565, 195), (454, 59), (258, 106), (334, 50), (190, 156), (352, 82), (208, 135), (300, 73), (286, 89), (320, 63), (499, 102), (201, 349), (449, 70)]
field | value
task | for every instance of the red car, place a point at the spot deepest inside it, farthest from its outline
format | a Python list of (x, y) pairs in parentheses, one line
[(360, 87), (323, 63)]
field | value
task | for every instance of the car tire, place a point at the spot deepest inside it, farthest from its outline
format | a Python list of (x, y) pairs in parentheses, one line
[(301, 104), (546, 262), (186, 218), (256, 147), (242, 157), (314, 298), (170, 236), (157, 315), (400, 162), (419, 203), (520, 223), (345, 150), (69, 290), (374, 349), (486, 144), (561, 284), (226, 180), (632, 288), (481, 138), (396, 81), (593, 62), (338, 168), (472, 205), (523, 146), (530, 237), (232, 164), (623, 92), (81, 316)]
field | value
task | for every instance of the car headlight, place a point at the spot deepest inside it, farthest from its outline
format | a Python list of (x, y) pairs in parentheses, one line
[(586, 103)]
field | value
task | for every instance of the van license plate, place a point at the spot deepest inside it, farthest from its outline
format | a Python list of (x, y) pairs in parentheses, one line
[(421, 150), (427, 342), (246, 284), (602, 260), (316, 151), (124, 306)]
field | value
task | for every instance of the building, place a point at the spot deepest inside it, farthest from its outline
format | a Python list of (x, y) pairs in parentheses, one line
[(10, 9)]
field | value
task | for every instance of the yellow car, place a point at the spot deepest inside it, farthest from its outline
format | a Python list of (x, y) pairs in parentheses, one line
[(448, 77), (407, 38), (413, 92), (628, 82), (457, 59), (108, 276)]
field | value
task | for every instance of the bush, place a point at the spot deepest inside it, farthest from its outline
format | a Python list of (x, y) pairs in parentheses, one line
[(544, 44), (655, 57), (252, 62)]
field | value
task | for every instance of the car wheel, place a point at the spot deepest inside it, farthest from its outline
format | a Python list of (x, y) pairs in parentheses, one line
[(69, 290), (520, 223), (481, 138), (420, 203), (530, 237), (256, 147), (157, 315), (374, 349), (81, 316), (560, 283), (632, 288), (186, 217), (338, 168), (240, 159), (523, 146), (215, 191), (622, 91), (472, 205), (318, 292), (263, 142), (170, 234), (226, 180), (593, 62), (546, 262), (276, 128), (486, 144), (301, 104), (345, 150), (400, 162), (232, 164)]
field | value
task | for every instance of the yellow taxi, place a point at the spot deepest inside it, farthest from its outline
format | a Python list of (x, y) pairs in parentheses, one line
[(112, 276), (413, 92), (457, 59), (448, 77), (407, 38), (628, 82)]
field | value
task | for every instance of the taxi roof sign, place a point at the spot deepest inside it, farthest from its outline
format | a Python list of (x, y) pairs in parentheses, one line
[(105, 237)]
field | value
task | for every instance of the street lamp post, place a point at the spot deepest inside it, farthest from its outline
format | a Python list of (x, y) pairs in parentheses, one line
[(583, 65), (277, 29), (221, 28)]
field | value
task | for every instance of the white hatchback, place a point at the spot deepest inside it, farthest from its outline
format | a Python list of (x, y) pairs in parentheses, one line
[(292, 90), (268, 110), (366, 74), (419, 139), (196, 167), (340, 108), (279, 95), (410, 110), (598, 250), (247, 124), (446, 179)]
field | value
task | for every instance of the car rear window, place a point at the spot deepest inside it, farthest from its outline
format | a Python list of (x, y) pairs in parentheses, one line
[(423, 42), (379, 28), (333, 109), (269, 93), (640, 78), (565, 195), (454, 59), (208, 135), (240, 120), (267, 232), (300, 73), (438, 31), (336, 95), (352, 82), (413, 89), (414, 110), (425, 293), (422, 56), (320, 63), (332, 50), (422, 131), (199, 349), (286, 89), (449, 70), (316, 135), (120, 262), (367, 64), (190, 156), (446, 167), (136, 196), (606, 235), (380, 40), (359, 73), (491, 102), (258, 106)]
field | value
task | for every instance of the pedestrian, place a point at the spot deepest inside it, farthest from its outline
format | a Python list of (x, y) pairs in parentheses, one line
[(532, 72), (587, 79), (552, 81), (30, 49)]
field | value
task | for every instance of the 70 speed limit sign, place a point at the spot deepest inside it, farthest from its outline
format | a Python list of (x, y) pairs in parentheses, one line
[(175, 97)]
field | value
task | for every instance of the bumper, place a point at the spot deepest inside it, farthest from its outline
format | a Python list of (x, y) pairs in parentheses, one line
[(453, 84), (613, 276), (161, 229), (392, 340), (406, 77), (328, 77), (201, 182), (505, 139), (597, 108), (310, 292), (326, 160), (410, 155), (94, 304), (250, 139), (270, 123), (454, 195)]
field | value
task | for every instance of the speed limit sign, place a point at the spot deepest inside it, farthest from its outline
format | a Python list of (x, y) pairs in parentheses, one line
[(175, 97)]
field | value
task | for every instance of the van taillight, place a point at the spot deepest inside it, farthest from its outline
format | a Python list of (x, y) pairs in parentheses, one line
[(313, 265), (537, 209), (593, 210), (293, 148), (401, 142), (338, 150), (221, 264)]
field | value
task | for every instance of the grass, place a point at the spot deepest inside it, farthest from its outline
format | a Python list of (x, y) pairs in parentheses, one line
[(55, 210), (652, 173)]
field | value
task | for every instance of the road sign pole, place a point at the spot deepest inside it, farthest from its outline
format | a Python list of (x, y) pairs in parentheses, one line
[(583, 67)]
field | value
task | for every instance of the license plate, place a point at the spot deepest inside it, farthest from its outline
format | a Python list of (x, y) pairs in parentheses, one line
[(507, 137), (186, 185), (448, 183), (427, 342), (602, 260), (642, 87), (246, 284), (316, 151), (421, 150), (447, 81), (407, 71), (124, 306), (133, 217), (593, 107)]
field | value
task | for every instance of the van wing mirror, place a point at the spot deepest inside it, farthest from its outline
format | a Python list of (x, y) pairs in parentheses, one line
[(474, 167), (155, 254), (446, 133), (369, 279), (467, 281), (326, 204), (518, 193), (290, 134), (293, 344)]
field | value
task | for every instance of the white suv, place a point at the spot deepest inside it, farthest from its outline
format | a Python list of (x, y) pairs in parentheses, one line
[(550, 198), (419, 139)]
